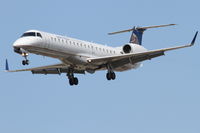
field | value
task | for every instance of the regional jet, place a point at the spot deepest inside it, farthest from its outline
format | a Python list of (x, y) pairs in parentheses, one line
[(78, 56)]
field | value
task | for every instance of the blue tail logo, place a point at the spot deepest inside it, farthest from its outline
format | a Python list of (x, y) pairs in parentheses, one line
[(136, 36)]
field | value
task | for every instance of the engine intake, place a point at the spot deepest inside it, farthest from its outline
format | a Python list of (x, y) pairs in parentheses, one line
[(127, 48)]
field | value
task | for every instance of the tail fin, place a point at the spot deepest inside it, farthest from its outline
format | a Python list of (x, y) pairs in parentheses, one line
[(137, 32), (136, 36)]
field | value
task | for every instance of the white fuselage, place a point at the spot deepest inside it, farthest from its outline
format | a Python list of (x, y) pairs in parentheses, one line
[(71, 51)]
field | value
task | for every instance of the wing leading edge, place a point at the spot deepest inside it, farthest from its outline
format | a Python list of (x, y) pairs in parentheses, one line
[(138, 57)]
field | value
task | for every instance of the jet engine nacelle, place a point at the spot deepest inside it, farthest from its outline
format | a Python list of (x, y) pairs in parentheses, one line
[(127, 48), (133, 48)]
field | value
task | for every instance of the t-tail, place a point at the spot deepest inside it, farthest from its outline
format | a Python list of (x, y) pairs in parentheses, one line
[(137, 32)]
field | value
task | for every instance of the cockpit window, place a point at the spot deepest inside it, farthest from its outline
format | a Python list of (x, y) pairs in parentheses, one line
[(39, 35), (28, 34)]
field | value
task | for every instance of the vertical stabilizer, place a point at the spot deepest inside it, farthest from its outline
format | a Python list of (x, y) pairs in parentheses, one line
[(136, 36)]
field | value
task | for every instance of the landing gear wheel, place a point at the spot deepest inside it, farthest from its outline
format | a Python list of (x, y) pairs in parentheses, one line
[(71, 81), (108, 76), (25, 62), (113, 76), (75, 81)]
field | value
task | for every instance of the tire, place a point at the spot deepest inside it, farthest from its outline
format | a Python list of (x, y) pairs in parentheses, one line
[(71, 81), (108, 76), (75, 81), (113, 76), (23, 62), (27, 62)]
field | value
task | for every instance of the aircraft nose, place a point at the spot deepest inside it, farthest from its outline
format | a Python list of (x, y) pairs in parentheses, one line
[(23, 42), (20, 43), (17, 44)]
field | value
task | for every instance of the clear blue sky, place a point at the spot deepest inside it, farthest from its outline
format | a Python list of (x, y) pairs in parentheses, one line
[(161, 97)]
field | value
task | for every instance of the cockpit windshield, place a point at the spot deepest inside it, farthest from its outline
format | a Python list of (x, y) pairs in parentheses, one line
[(35, 34)]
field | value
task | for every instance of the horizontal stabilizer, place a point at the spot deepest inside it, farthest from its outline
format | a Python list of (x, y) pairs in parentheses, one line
[(156, 26), (140, 28)]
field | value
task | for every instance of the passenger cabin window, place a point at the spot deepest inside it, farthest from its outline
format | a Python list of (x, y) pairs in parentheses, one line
[(28, 34)]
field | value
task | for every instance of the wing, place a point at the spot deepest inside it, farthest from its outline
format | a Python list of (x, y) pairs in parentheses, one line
[(50, 69), (137, 57)]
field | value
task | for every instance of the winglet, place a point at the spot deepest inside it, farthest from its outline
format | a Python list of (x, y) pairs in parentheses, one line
[(7, 66), (194, 39)]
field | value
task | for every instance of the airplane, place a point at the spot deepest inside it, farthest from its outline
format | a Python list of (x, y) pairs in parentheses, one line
[(79, 57)]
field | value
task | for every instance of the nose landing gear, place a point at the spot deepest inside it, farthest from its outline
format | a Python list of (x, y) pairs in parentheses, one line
[(26, 61)]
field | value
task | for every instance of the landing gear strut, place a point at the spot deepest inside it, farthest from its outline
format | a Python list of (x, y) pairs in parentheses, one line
[(72, 80), (26, 61), (110, 74)]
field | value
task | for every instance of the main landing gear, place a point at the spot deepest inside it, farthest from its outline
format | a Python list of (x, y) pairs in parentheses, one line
[(110, 74), (26, 61), (72, 80)]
